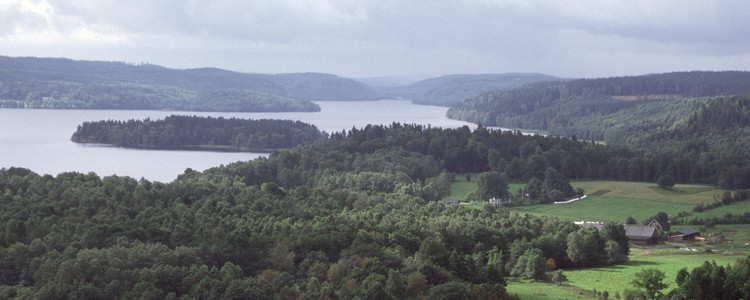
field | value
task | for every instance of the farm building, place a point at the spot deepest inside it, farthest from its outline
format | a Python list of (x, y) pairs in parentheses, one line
[(643, 235), (637, 234), (452, 201), (662, 226), (685, 235)]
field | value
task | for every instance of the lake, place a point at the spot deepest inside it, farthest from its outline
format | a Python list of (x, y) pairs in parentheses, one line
[(39, 139)]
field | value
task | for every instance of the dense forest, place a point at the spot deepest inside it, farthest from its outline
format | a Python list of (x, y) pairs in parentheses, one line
[(451, 89), (184, 132), (64, 83), (356, 215), (659, 118)]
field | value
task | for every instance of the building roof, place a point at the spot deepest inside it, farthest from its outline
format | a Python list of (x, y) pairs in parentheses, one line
[(452, 201), (639, 232)]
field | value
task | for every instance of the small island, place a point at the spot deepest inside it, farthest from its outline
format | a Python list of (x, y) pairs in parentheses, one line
[(199, 133)]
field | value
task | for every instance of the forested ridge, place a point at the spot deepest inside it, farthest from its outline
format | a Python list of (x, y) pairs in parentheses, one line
[(186, 132), (594, 108), (451, 89), (62, 83)]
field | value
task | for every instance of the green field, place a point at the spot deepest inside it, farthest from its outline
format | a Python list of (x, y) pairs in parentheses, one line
[(681, 193), (734, 208), (528, 289), (615, 279), (461, 188), (617, 200), (602, 208)]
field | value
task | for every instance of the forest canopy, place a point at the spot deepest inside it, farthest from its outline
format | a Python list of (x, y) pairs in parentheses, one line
[(185, 132)]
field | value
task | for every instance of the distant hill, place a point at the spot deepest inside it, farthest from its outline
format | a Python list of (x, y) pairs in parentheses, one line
[(64, 83), (605, 109), (451, 89), (386, 81), (324, 87)]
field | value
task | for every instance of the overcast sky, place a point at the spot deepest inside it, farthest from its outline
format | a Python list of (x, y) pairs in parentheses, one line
[(367, 38)]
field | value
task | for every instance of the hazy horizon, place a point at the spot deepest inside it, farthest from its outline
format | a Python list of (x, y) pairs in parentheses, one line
[(366, 39)]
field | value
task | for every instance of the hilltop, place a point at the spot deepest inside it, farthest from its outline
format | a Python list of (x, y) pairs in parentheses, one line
[(63, 83)]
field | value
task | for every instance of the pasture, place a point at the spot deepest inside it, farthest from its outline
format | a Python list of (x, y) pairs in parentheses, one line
[(734, 208), (616, 279), (617, 200), (604, 208)]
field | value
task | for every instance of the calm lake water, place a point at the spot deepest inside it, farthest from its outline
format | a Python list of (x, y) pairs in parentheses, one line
[(40, 139)]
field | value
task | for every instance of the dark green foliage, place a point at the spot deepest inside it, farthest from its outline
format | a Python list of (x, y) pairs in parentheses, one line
[(184, 132), (694, 140), (559, 277), (341, 218), (613, 231), (585, 247), (651, 280), (665, 182), (244, 101), (454, 290), (492, 185), (711, 281)]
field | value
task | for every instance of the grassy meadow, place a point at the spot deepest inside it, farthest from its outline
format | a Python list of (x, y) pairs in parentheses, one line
[(616, 279), (615, 201), (734, 208)]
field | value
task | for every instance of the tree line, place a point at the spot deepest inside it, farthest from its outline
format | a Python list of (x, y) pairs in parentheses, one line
[(180, 132)]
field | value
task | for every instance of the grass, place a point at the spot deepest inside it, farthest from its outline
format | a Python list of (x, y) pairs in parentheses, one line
[(528, 289), (617, 278), (617, 200), (604, 208), (681, 193), (461, 189), (734, 208)]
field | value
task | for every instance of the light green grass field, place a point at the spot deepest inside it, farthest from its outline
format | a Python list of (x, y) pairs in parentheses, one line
[(617, 200), (615, 279), (528, 289), (461, 188), (734, 208), (681, 193), (602, 208)]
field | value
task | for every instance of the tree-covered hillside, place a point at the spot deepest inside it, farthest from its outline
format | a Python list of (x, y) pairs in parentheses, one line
[(451, 89), (64, 83), (590, 108), (324, 87), (184, 132)]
